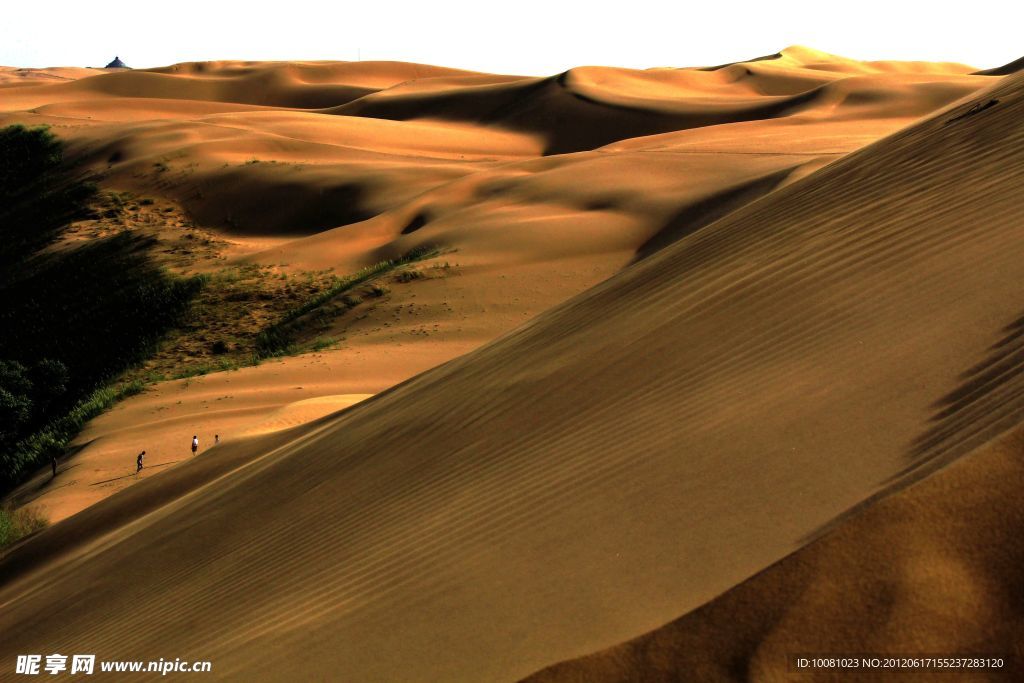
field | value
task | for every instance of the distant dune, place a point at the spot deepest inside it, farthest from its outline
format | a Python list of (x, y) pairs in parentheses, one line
[(703, 337)]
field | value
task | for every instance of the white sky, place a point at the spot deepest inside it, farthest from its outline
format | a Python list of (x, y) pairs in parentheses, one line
[(530, 37)]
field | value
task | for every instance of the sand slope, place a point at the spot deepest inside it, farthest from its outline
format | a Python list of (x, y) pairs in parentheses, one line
[(618, 460), (932, 570), (231, 405)]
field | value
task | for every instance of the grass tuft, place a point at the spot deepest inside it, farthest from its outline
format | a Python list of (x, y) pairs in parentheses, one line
[(408, 276), (17, 524)]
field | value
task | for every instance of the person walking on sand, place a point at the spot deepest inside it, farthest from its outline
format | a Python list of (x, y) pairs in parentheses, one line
[(195, 443), (53, 464), (216, 439), (138, 462)]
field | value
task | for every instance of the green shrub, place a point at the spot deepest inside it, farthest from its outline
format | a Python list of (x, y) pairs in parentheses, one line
[(82, 315), (17, 524), (27, 393), (322, 343), (52, 440), (39, 193)]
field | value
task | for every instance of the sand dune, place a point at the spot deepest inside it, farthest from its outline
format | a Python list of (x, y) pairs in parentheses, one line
[(623, 457), (593, 106), (932, 570), (13, 76), (926, 569), (205, 134), (573, 116), (806, 57), (303, 85)]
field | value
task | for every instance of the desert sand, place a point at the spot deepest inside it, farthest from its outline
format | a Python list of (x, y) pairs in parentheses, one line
[(702, 324)]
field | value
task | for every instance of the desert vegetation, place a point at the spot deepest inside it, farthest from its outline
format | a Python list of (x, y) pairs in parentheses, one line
[(107, 295), (16, 524)]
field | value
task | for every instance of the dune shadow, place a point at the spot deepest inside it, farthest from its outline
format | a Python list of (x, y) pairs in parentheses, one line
[(270, 201), (417, 222), (695, 216), (568, 117), (33, 487), (42, 480), (988, 401)]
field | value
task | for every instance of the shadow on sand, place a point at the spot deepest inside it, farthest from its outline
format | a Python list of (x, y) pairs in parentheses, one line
[(988, 401), (134, 474)]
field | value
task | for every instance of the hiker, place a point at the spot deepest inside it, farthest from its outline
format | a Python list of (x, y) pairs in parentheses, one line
[(195, 443), (138, 462), (216, 439), (53, 463)]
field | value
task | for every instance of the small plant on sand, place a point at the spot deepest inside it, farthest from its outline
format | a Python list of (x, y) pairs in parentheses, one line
[(17, 524), (408, 276), (322, 343)]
